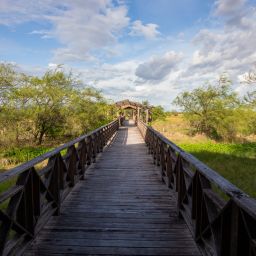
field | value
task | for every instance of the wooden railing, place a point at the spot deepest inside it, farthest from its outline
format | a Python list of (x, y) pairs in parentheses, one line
[(221, 217), (37, 193)]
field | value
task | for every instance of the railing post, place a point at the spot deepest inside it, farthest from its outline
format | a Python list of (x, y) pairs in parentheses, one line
[(82, 157), (54, 184), (180, 182), (36, 194), (89, 150), (162, 159), (169, 171), (25, 213)]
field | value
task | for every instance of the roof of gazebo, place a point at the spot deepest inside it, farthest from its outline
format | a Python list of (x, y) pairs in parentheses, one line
[(128, 103), (131, 104)]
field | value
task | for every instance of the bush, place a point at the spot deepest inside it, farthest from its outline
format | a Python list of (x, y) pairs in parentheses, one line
[(217, 112)]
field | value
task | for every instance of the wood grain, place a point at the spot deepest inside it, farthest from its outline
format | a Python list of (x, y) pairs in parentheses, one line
[(121, 207)]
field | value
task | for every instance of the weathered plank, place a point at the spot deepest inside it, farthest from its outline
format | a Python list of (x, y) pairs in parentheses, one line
[(121, 208)]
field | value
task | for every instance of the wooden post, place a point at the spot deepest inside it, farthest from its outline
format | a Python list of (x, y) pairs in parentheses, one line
[(147, 116), (138, 114)]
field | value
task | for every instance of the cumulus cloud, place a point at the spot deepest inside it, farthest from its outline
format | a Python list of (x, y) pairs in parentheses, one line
[(149, 30), (158, 67), (86, 27), (230, 49), (18, 11), (228, 7), (118, 81), (234, 12), (80, 26)]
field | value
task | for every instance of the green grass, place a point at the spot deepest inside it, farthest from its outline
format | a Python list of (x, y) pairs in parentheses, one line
[(3, 187), (234, 149), (17, 156), (234, 161), (20, 155)]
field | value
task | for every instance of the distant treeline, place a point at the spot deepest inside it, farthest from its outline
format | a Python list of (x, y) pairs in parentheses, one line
[(51, 106), (218, 112)]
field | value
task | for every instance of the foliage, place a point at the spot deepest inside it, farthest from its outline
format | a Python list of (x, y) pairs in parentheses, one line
[(216, 111), (250, 98), (146, 104), (33, 108), (88, 110), (9, 79), (158, 113), (49, 97)]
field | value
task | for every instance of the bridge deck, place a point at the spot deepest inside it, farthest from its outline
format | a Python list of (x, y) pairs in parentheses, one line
[(121, 208)]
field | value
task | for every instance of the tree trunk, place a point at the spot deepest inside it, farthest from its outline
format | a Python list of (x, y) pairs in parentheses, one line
[(35, 136), (17, 135), (40, 138)]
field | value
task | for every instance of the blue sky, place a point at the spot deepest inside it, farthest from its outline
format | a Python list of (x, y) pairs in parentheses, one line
[(137, 49)]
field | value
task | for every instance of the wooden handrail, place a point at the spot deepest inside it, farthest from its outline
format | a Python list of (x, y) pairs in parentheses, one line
[(37, 194), (221, 217)]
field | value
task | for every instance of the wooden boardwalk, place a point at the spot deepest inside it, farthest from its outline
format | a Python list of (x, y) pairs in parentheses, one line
[(121, 208)]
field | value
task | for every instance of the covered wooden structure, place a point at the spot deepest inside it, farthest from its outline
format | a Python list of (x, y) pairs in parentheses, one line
[(139, 111)]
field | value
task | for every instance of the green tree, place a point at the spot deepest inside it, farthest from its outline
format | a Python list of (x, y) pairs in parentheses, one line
[(88, 110), (158, 113), (209, 109), (250, 104), (42, 100), (9, 79), (48, 96), (11, 113), (53, 105), (250, 98)]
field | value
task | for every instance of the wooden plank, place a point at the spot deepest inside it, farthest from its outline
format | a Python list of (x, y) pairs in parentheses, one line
[(170, 235), (85, 242), (122, 207), (82, 250)]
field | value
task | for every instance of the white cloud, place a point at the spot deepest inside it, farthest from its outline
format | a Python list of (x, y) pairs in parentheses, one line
[(234, 12), (88, 26), (80, 26), (200, 60), (83, 28), (19, 11), (158, 67), (149, 30), (228, 7), (52, 65), (118, 81), (229, 49)]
